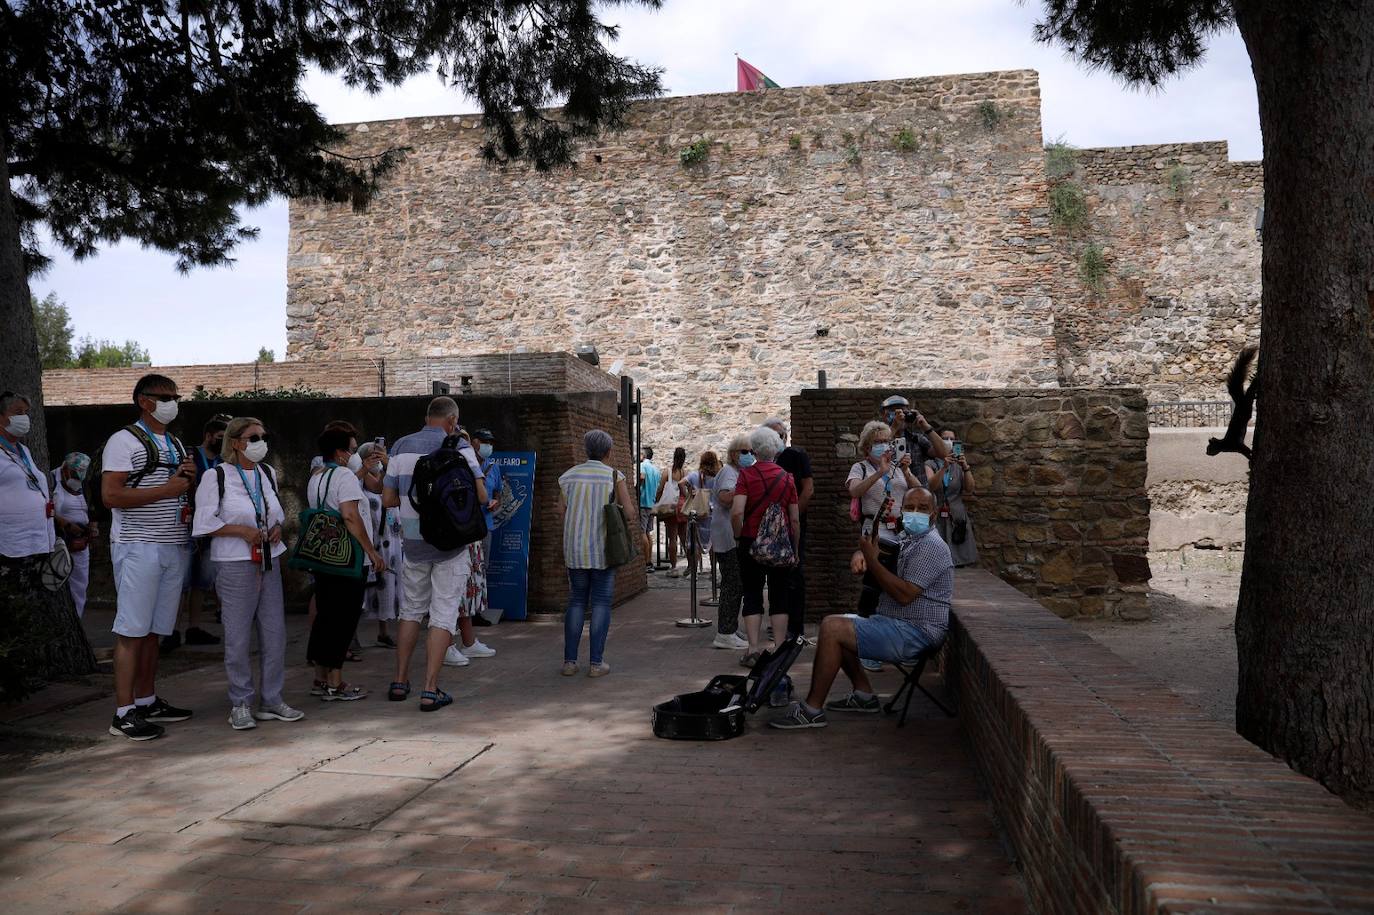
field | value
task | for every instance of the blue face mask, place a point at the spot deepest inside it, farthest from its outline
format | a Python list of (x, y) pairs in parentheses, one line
[(484, 451), (916, 523), (746, 460), (880, 449)]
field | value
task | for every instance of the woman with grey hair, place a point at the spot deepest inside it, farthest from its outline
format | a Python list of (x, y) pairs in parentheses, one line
[(584, 492), (759, 486)]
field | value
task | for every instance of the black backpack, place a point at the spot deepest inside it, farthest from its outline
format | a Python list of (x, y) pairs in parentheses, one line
[(267, 471), (95, 500), (443, 492)]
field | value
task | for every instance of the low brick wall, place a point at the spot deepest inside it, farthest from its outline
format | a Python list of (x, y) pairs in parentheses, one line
[(1060, 509), (1118, 796), (551, 425)]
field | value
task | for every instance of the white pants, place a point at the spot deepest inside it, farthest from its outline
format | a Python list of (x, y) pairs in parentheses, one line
[(81, 577)]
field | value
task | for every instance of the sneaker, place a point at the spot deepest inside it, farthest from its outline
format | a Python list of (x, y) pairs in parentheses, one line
[(160, 712), (648, 570), (343, 693), (729, 641), (282, 712), (674, 573), (170, 643), (478, 650), (798, 718), (241, 719), (133, 726), (569, 669), (599, 670), (318, 687), (852, 703), (197, 636), (871, 665), (455, 658)]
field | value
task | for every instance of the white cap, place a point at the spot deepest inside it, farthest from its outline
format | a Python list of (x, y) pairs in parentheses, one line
[(896, 400)]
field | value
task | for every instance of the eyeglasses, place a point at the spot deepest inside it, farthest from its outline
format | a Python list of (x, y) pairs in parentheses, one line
[(747, 451), (255, 438), (165, 398)]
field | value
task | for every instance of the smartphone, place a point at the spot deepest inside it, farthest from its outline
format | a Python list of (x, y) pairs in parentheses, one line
[(380, 442), (958, 448)]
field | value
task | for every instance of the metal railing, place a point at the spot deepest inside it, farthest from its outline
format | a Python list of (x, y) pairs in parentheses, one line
[(1190, 413)]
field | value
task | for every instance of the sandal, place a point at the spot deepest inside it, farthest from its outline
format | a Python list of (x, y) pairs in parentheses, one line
[(352, 656), (318, 687), (343, 693), (437, 700), (398, 691), (749, 660)]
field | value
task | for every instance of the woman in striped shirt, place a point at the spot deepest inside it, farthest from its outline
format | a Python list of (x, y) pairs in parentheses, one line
[(583, 494)]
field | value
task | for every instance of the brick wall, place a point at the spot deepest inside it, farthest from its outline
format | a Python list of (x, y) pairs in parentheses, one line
[(1118, 796), (1060, 509), (551, 425), (492, 374)]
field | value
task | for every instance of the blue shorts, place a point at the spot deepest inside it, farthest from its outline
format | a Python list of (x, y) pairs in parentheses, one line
[(882, 638), (148, 582), (200, 571)]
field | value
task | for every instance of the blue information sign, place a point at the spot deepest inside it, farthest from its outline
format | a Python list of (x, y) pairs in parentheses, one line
[(509, 563)]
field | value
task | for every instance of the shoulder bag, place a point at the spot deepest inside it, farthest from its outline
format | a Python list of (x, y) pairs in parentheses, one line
[(620, 544), (325, 546)]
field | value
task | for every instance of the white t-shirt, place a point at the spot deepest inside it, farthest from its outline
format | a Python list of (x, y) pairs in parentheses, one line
[(343, 487), (156, 522), (66, 505), (872, 501), (25, 528), (722, 536), (237, 508)]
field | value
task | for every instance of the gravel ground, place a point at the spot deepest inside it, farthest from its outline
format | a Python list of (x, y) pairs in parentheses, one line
[(1190, 643)]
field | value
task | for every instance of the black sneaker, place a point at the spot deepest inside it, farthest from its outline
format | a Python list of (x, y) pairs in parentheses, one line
[(161, 711), (133, 726), (197, 636), (170, 643)]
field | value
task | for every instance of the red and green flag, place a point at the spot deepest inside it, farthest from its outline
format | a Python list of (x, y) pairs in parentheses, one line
[(749, 78)]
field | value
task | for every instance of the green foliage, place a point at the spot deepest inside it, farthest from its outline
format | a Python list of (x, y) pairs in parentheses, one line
[(1060, 159), (794, 142), (817, 139), (1092, 267), (266, 355), (106, 354), (1179, 178), (905, 140), (296, 392), (163, 121), (1068, 206), (990, 114), (53, 326), (694, 153), (852, 154)]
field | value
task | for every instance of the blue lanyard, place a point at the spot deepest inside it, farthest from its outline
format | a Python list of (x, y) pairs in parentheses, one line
[(259, 507), (22, 460), (166, 437)]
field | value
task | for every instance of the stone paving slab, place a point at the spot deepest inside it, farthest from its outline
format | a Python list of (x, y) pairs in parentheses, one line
[(574, 805)]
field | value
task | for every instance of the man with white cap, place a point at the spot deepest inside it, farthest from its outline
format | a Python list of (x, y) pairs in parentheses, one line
[(920, 442), (74, 521)]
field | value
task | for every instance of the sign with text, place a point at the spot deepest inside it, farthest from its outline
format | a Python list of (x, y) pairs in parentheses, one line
[(508, 565)]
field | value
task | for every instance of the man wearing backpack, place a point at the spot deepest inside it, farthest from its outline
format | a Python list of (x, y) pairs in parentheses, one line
[(146, 476), (434, 577)]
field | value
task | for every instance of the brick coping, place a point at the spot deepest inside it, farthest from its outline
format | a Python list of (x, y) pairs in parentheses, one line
[(1120, 796)]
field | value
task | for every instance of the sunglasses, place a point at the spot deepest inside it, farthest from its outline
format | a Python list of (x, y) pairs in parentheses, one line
[(255, 438), (747, 451), (165, 398)]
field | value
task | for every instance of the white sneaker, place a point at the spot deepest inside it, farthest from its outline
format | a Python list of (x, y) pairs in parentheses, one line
[(281, 712), (241, 718), (478, 650), (729, 641), (455, 658)]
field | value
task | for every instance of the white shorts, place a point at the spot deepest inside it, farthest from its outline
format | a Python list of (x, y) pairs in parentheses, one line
[(148, 581), (436, 589)]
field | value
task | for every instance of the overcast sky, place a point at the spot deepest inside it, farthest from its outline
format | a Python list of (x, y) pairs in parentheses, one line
[(129, 292)]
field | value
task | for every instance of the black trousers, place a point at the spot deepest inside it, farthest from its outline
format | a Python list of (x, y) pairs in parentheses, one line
[(754, 578), (338, 607)]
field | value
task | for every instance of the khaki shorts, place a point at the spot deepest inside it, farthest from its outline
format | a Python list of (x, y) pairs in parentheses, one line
[(435, 589)]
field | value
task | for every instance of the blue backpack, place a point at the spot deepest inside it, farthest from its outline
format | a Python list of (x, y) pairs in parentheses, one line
[(443, 492)]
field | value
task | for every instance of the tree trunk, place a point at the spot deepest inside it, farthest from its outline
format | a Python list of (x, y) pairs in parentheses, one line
[(1305, 621), (20, 367)]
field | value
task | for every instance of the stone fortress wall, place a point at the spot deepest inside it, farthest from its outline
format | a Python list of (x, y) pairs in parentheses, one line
[(890, 233)]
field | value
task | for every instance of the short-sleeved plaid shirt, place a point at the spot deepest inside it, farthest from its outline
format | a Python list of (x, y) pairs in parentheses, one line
[(925, 562)]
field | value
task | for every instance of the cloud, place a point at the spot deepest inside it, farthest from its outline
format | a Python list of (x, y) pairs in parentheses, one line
[(130, 292)]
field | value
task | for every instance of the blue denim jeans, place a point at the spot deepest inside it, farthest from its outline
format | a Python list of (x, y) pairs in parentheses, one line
[(588, 586)]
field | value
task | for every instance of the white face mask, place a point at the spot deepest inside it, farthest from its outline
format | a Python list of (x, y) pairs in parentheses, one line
[(165, 411), (355, 463), (255, 451), (19, 425), (72, 485)]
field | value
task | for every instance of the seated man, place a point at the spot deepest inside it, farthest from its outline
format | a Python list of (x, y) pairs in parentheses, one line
[(912, 615)]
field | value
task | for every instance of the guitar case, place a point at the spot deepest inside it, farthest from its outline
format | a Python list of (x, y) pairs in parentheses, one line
[(718, 711)]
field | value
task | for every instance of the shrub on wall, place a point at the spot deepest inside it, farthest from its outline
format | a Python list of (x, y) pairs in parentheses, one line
[(1060, 160), (1068, 206), (296, 392), (794, 142), (1092, 266), (990, 114), (904, 140), (695, 153), (1179, 178)]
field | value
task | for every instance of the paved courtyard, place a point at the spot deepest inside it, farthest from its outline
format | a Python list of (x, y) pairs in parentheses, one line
[(531, 793)]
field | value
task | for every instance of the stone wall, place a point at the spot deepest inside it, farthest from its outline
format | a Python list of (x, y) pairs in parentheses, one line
[(492, 374), (1181, 296), (1060, 510), (551, 425), (1196, 502)]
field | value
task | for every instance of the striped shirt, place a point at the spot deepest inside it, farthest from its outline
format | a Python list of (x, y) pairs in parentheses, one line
[(405, 454), (925, 562), (587, 489), (156, 522)]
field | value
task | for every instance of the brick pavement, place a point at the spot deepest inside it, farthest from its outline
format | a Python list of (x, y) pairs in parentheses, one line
[(531, 793)]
